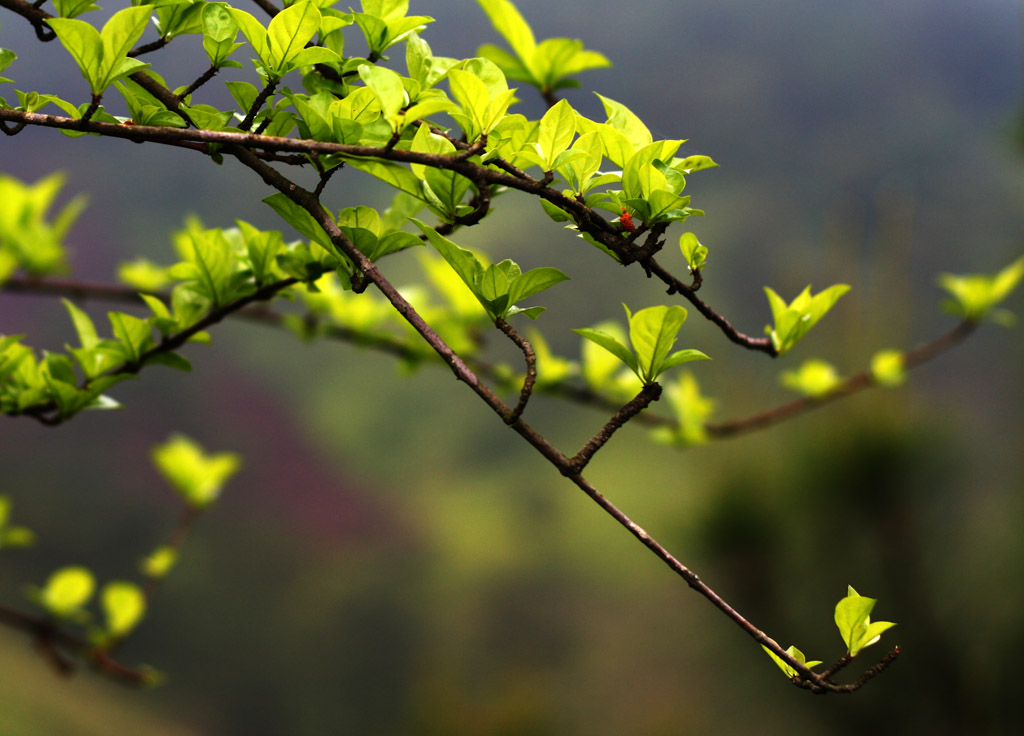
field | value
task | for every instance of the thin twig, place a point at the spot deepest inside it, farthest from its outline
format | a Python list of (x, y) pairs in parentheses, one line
[(854, 384), (650, 393), (257, 105), (200, 81), (55, 641), (531, 368)]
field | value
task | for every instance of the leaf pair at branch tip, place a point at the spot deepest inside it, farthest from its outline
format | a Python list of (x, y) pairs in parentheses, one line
[(652, 333), (197, 476), (854, 622), (794, 320), (975, 296), (102, 56), (281, 46), (549, 65)]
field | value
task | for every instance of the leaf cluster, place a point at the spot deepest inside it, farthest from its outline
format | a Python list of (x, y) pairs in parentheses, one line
[(652, 333)]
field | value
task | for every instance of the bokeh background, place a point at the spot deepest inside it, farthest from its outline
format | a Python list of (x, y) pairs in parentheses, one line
[(392, 560)]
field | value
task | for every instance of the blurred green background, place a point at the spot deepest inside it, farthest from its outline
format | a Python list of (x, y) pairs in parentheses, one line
[(392, 560)]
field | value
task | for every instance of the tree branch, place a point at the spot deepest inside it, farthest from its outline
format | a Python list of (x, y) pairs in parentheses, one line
[(55, 641), (650, 393), (531, 368)]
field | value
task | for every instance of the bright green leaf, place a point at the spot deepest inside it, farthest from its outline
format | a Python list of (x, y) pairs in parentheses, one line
[(611, 344), (853, 619), (652, 332), (696, 255), (814, 378), (289, 32), (508, 21), (557, 128), (160, 562), (66, 591), (387, 85), (198, 477), (124, 605), (887, 368), (975, 295), (692, 410), (794, 320), (785, 666), (622, 119), (461, 260)]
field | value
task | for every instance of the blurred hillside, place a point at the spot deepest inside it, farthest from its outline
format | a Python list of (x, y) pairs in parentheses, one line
[(393, 561)]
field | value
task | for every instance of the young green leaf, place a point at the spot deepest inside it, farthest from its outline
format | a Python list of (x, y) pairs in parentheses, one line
[(66, 591), (547, 65), (462, 261), (29, 238), (160, 562), (854, 622), (387, 85), (785, 666), (692, 410), (887, 368), (814, 378), (625, 121), (219, 32), (289, 32), (299, 219), (281, 46), (124, 605), (508, 21), (533, 282), (198, 477), (557, 129), (134, 335), (610, 343), (497, 287), (73, 8), (696, 255), (976, 295), (557, 59), (7, 58), (652, 332), (10, 535), (794, 320), (102, 55)]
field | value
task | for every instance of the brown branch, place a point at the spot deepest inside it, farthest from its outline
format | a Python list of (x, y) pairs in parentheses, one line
[(239, 147), (175, 541), (563, 464), (84, 291), (257, 105), (200, 81), (586, 218), (56, 643), (854, 384), (148, 47), (531, 368), (33, 15), (268, 7), (650, 393), (676, 286), (45, 413)]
